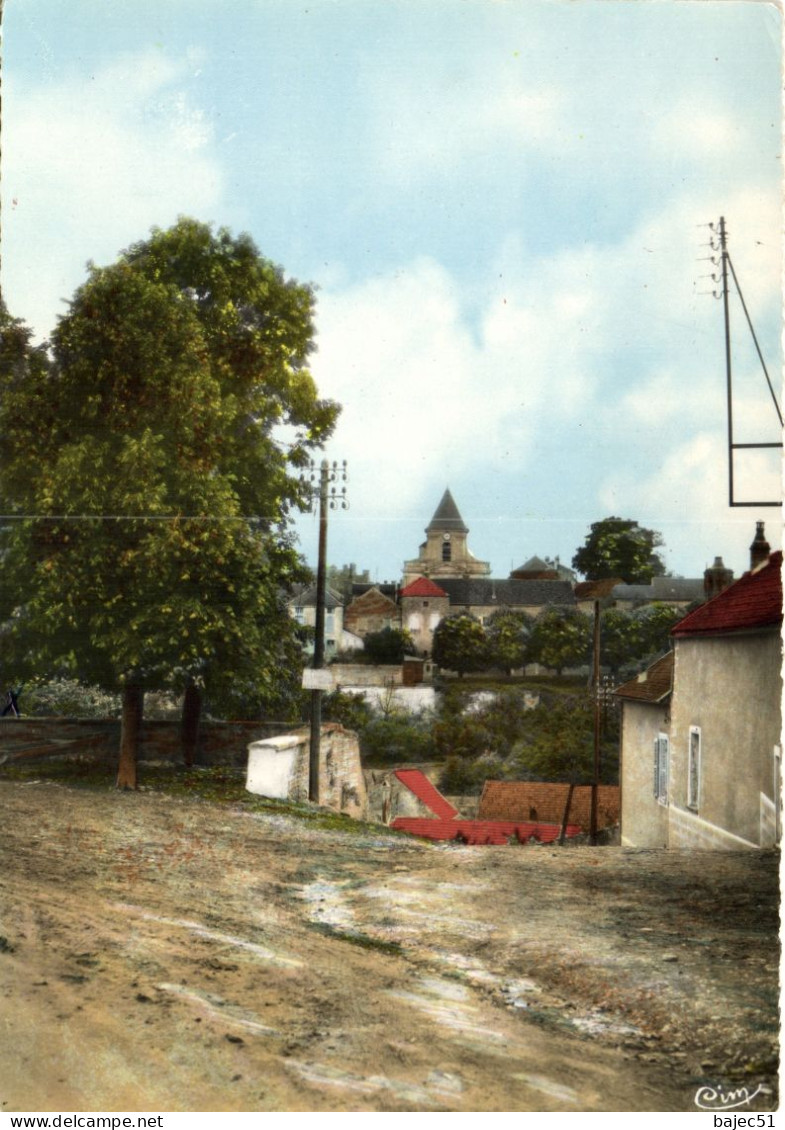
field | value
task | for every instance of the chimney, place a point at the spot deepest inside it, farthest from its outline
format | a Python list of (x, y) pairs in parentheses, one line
[(716, 579), (760, 548)]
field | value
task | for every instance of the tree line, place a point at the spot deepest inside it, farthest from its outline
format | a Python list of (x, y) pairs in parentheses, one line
[(559, 638)]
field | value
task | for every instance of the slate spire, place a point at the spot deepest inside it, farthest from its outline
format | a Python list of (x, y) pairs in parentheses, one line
[(447, 517)]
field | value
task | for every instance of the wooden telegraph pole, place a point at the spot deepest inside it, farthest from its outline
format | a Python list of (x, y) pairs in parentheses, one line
[(330, 497), (596, 684)]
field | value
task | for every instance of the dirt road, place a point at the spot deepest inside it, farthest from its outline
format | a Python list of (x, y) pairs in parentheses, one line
[(163, 954)]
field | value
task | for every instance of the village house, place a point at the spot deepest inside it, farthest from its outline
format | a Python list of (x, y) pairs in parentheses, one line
[(302, 608), (700, 743)]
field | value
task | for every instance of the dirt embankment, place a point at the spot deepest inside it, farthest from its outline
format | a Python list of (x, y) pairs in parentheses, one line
[(165, 954)]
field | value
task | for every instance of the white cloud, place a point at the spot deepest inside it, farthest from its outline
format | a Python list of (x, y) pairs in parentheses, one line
[(92, 163), (686, 498)]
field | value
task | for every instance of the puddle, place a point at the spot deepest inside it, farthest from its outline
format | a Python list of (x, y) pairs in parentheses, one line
[(598, 1024), (549, 1087), (447, 1002), (218, 1008), (213, 936), (438, 1088), (517, 993), (327, 904)]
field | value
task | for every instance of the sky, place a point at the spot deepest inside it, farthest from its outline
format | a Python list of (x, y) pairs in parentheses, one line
[(503, 206)]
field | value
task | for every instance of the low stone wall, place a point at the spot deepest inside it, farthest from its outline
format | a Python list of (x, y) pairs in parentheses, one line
[(278, 766), (366, 675), (220, 743)]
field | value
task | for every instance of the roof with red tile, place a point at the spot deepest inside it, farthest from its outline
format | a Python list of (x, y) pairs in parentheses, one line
[(544, 801), (422, 587), (482, 831), (426, 791), (652, 685), (752, 602)]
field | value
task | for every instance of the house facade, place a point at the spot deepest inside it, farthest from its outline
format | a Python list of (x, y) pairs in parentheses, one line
[(302, 608), (701, 760)]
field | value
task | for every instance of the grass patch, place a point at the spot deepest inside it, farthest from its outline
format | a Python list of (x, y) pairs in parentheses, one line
[(218, 784), (364, 941)]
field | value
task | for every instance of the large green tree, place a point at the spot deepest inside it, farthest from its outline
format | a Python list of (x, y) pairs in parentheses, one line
[(459, 644), (144, 465), (389, 645), (561, 638), (509, 634), (619, 547)]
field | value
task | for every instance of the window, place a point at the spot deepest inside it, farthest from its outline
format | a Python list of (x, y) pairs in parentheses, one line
[(661, 755), (299, 614), (446, 551), (694, 768)]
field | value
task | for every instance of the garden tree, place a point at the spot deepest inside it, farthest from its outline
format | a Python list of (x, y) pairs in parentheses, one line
[(561, 637), (620, 639), (389, 645), (653, 623), (619, 547), (459, 644), (557, 743), (155, 490), (508, 634), (469, 729)]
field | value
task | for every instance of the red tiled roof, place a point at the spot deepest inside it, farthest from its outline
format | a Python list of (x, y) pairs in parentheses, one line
[(754, 601), (544, 801), (426, 791), (482, 831), (652, 685), (422, 587)]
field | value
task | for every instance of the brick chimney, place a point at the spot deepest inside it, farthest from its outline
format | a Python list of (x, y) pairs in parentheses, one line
[(760, 548), (716, 579)]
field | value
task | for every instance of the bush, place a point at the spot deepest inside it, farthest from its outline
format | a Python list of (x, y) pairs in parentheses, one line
[(397, 739), (460, 777), (67, 698), (350, 710)]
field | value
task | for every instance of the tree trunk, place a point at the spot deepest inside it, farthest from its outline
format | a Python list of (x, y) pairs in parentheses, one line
[(192, 711), (130, 733)]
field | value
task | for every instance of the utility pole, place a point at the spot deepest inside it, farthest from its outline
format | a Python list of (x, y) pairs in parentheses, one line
[(728, 381), (330, 497), (596, 683)]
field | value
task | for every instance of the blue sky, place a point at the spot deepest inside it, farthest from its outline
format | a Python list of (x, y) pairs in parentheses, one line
[(499, 202)]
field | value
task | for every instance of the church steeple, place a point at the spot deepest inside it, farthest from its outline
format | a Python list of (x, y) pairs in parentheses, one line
[(445, 552), (447, 517)]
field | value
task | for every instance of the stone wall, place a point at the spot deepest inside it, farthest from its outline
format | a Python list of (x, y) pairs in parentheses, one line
[(278, 766), (220, 743), (366, 674)]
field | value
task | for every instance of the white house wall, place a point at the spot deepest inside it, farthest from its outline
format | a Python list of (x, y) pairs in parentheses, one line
[(730, 688), (644, 821)]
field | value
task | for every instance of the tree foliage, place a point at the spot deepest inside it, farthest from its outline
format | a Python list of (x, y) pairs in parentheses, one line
[(508, 639), (561, 637), (459, 644), (143, 463), (619, 547), (389, 645)]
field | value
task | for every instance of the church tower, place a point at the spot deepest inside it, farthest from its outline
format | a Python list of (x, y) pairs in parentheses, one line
[(445, 552)]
